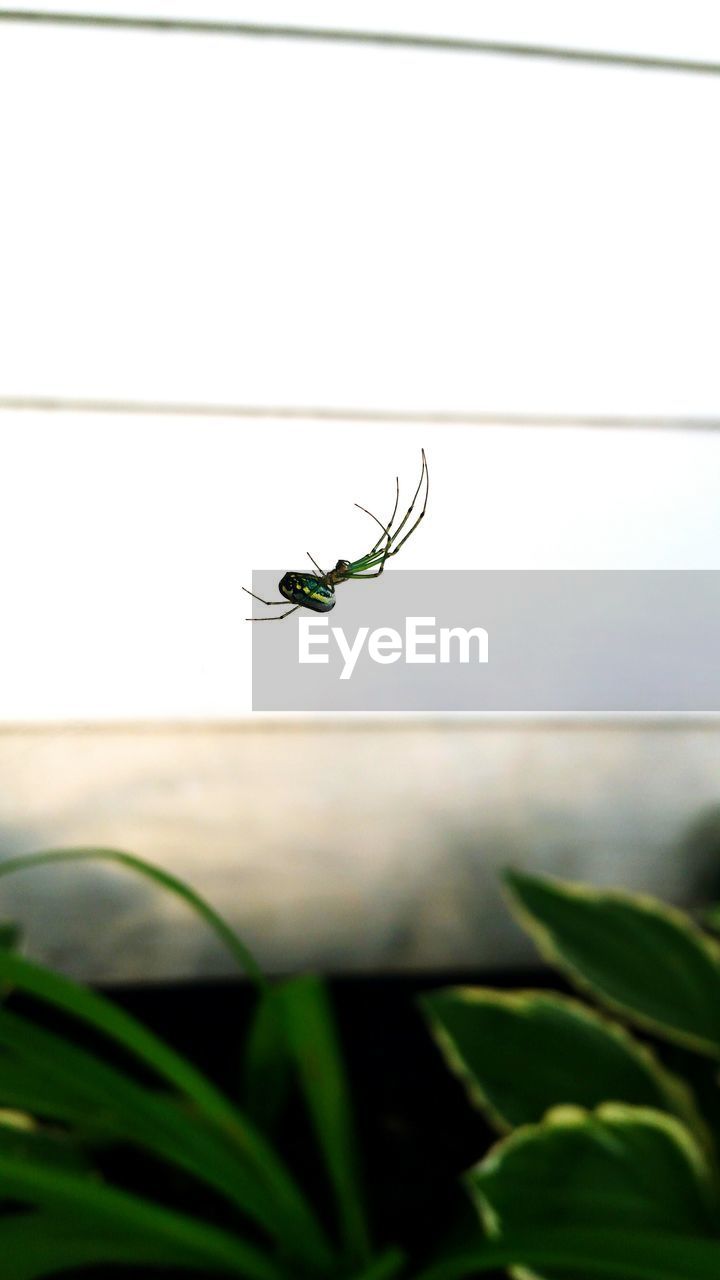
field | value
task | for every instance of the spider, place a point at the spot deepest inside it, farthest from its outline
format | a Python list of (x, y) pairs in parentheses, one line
[(317, 592)]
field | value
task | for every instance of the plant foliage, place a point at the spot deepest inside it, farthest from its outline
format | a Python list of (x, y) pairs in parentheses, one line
[(604, 1164), (598, 1136)]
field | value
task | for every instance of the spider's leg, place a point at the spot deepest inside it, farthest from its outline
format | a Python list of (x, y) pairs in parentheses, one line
[(378, 555), (374, 551), (275, 617), (423, 474), (385, 532), (392, 548), (317, 566), (385, 528), (268, 602)]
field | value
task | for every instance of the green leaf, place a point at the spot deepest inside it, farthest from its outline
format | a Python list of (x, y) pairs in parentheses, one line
[(47, 1075), (87, 1204), (520, 1053), (119, 1026), (288, 1212), (34, 1245), (385, 1267), (631, 1255), (10, 935), (267, 1065), (617, 1169), (291, 1213), (22, 1138), (228, 937), (312, 1040), (47, 1095), (632, 953), (711, 917)]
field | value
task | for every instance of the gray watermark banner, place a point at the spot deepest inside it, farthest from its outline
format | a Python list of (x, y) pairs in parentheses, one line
[(534, 641)]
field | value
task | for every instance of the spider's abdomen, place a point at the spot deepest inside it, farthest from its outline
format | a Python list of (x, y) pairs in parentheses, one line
[(307, 590)]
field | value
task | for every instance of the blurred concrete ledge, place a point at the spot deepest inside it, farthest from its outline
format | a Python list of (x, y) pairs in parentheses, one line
[(344, 846)]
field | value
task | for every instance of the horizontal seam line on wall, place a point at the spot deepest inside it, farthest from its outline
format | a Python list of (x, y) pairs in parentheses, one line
[(377, 39), (315, 413), (301, 722)]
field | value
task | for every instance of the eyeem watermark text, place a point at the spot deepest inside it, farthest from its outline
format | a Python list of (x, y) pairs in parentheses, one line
[(564, 642), (423, 642)]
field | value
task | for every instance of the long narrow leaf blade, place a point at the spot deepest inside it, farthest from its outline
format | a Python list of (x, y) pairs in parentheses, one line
[(290, 1208), (386, 1267), (313, 1042), (91, 1202), (51, 1077), (267, 1065), (228, 937), (34, 1245), (21, 1138), (119, 1026)]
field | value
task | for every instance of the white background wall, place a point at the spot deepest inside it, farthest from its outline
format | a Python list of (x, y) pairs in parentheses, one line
[(237, 221), (224, 221), (211, 218), (125, 541)]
